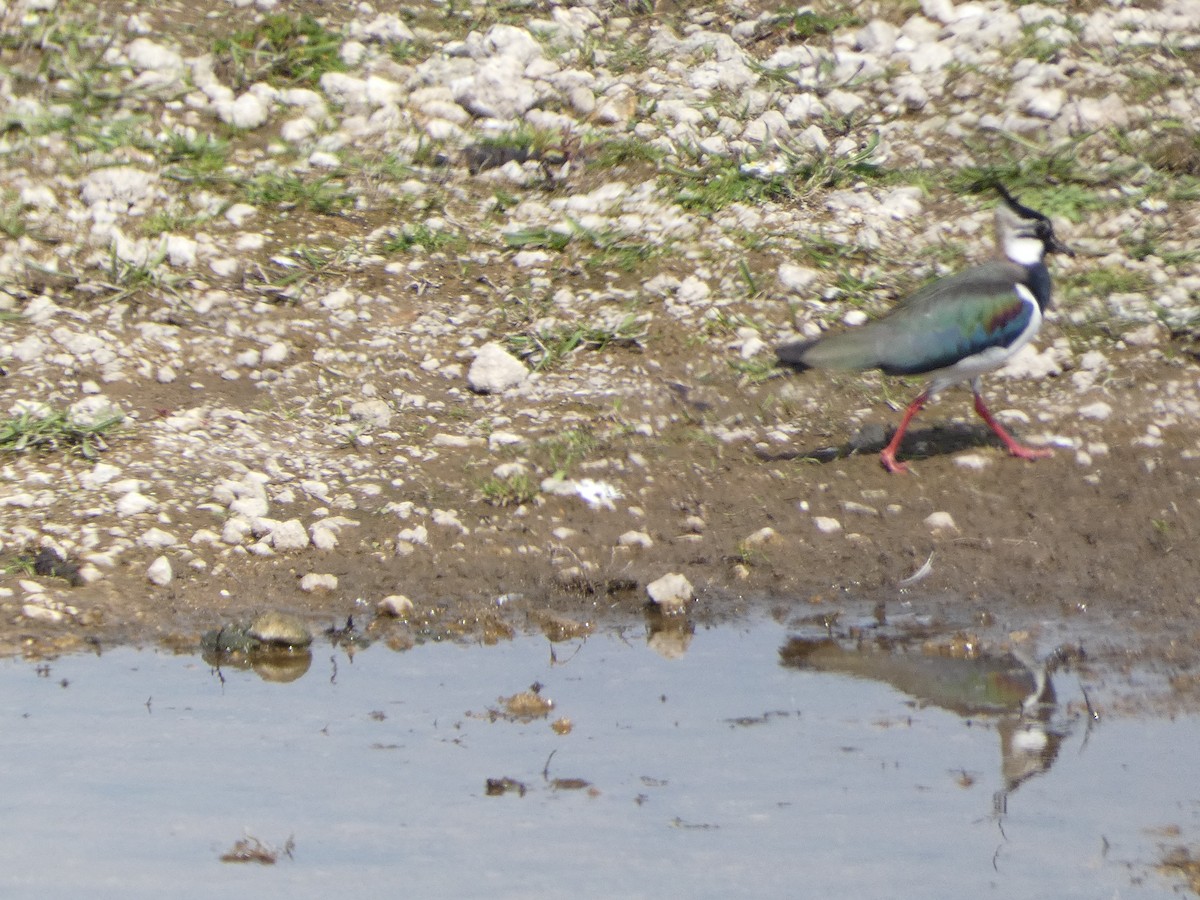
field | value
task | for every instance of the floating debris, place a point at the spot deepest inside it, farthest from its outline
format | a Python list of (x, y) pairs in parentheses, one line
[(252, 850)]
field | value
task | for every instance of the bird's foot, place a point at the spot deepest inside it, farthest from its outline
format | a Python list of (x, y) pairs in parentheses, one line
[(889, 461), (1022, 452)]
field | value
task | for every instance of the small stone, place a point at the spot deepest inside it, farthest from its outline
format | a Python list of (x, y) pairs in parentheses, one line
[(976, 461), (797, 279), (323, 538), (859, 509), (854, 318), (635, 539), (495, 370), (765, 535), (133, 503), (827, 524), (618, 107), (160, 572), (289, 535), (41, 613), (396, 605), (281, 629), (1146, 336), (1098, 411), (313, 582), (157, 539), (246, 112), (373, 412), (250, 507), (672, 592), (940, 521)]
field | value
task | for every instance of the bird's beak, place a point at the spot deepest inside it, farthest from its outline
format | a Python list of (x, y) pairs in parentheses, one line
[(1058, 246)]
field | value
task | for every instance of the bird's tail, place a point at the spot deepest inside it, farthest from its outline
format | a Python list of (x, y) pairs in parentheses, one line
[(793, 354)]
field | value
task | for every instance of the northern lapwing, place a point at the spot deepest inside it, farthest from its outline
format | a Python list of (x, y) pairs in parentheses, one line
[(956, 328)]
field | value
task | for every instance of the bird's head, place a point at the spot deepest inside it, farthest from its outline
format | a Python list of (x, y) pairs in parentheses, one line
[(1024, 235)]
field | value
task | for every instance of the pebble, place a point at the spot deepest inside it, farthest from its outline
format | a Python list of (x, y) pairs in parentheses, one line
[(940, 521), (975, 461), (160, 572), (760, 538), (1098, 411), (134, 503), (289, 536), (635, 539), (671, 593), (395, 605), (826, 524), (495, 370), (315, 583)]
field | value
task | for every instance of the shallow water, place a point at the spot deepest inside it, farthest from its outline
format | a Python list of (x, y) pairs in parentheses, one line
[(713, 772)]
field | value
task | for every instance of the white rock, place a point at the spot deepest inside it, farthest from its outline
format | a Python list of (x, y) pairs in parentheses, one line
[(1098, 411), (635, 539), (250, 507), (236, 530), (797, 279), (1030, 363), (877, 36), (101, 474), (495, 370), (41, 613), (385, 28), (313, 582), (134, 503), (1148, 335), (145, 55), (122, 186), (617, 107), (275, 353), (157, 539), (181, 250), (671, 592), (418, 534), (498, 90), (1046, 104), (323, 538), (764, 535), (240, 213), (854, 318), (160, 572), (930, 58), (298, 130), (289, 535), (803, 107), (206, 536), (974, 461), (38, 196), (247, 112), (940, 521), (373, 412), (827, 524), (396, 605)]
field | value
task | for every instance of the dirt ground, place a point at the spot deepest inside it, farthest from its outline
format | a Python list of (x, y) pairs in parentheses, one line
[(1108, 548)]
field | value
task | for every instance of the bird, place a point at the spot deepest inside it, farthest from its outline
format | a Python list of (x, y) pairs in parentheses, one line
[(956, 328)]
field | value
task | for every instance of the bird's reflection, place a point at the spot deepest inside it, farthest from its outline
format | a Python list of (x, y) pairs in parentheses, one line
[(1017, 697)]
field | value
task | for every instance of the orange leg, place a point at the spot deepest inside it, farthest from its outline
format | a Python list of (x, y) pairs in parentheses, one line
[(888, 456), (1014, 448)]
